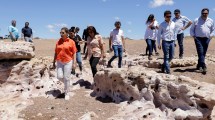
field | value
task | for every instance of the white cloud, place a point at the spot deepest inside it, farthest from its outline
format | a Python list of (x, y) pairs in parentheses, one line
[(116, 18), (129, 31), (52, 27), (158, 3), (129, 22), (137, 5)]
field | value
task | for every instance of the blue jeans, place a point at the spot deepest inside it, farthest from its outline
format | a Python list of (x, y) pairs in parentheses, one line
[(180, 38), (118, 51), (168, 50), (201, 47), (79, 61), (150, 46)]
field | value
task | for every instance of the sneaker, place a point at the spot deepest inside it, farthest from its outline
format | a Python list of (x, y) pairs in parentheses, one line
[(180, 56), (157, 54), (150, 57), (168, 73), (200, 69), (67, 97), (109, 66), (204, 71)]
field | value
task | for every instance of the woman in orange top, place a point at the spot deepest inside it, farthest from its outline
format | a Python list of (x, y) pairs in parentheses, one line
[(65, 55), (95, 48)]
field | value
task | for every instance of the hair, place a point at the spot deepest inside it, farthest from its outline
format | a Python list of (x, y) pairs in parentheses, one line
[(72, 29), (77, 28), (205, 9), (65, 29), (117, 22), (27, 23), (151, 17), (93, 29), (167, 12), (13, 21)]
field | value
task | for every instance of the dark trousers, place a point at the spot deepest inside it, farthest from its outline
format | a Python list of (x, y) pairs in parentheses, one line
[(180, 38), (153, 44), (201, 47), (118, 51), (168, 50), (85, 48), (93, 63)]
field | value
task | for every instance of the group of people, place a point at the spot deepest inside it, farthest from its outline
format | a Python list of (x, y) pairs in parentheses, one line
[(68, 47), (170, 31), (27, 33)]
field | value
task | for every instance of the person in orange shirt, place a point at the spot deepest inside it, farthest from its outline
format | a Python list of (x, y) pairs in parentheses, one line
[(65, 55)]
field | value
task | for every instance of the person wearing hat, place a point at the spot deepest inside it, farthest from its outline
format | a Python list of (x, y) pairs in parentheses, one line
[(181, 23), (202, 30), (116, 44), (13, 31)]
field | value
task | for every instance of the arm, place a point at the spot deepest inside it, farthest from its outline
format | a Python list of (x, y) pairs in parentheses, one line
[(110, 43), (83, 35), (123, 42), (31, 34), (188, 25), (101, 45), (54, 66), (10, 32), (212, 30), (159, 35), (151, 24), (74, 61), (192, 30)]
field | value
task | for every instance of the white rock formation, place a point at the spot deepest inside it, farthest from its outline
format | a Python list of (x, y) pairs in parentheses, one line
[(16, 50)]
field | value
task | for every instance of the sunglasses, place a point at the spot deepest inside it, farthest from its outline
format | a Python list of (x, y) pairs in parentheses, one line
[(176, 13), (168, 16), (204, 13)]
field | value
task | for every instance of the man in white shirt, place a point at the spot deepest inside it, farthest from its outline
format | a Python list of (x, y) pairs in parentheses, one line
[(116, 44), (202, 30), (181, 23), (167, 33)]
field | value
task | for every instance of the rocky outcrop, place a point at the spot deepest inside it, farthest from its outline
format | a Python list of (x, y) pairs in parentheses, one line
[(16, 50), (155, 96)]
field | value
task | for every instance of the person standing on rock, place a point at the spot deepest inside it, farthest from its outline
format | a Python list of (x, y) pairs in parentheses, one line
[(181, 23), (13, 31), (73, 34), (95, 48), (151, 35), (202, 30), (27, 33), (116, 44), (65, 55), (167, 33)]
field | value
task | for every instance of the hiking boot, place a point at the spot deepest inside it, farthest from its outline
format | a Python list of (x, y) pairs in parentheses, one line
[(162, 69), (168, 72)]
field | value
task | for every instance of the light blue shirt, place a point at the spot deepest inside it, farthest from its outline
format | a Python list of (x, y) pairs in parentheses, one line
[(180, 23), (14, 31), (202, 28), (167, 31)]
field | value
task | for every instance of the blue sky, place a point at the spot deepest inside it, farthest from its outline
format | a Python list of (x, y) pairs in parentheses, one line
[(46, 17)]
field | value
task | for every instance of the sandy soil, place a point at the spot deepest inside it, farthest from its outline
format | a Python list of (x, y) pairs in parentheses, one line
[(80, 104)]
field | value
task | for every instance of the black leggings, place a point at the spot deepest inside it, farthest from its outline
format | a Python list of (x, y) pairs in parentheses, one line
[(93, 63)]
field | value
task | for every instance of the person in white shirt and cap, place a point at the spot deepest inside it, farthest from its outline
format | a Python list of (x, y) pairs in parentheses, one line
[(167, 33), (181, 23), (202, 30)]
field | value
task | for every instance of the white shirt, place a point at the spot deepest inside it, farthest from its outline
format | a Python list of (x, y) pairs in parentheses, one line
[(202, 28), (151, 34), (116, 36), (180, 23), (167, 32)]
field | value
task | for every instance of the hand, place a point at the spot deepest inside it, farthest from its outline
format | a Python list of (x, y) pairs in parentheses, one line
[(175, 45), (211, 38), (182, 28), (104, 56), (81, 42), (124, 50), (111, 49), (74, 65), (85, 58), (159, 46)]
